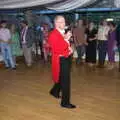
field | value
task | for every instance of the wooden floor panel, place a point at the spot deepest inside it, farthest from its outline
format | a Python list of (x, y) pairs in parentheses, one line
[(24, 94)]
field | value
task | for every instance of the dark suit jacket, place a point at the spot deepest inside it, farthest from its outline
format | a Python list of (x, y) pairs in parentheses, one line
[(30, 38)]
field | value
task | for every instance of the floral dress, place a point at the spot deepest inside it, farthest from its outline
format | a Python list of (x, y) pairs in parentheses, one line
[(15, 44)]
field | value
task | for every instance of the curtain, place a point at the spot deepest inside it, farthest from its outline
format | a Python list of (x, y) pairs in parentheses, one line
[(58, 5), (9, 4), (71, 4), (117, 3)]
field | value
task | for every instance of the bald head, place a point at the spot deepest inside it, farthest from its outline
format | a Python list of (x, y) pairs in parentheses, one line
[(58, 17), (59, 22)]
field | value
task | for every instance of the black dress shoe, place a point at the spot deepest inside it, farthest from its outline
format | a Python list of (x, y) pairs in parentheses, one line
[(54, 95), (69, 106)]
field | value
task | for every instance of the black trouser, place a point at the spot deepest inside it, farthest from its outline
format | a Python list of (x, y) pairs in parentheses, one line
[(102, 50), (80, 51), (64, 85)]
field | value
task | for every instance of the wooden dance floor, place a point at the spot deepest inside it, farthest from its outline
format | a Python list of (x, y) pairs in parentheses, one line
[(24, 94)]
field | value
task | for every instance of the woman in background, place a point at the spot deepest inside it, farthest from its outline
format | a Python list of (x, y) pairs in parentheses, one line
[(91, 47), (15, 42), (102, 43), (111, 45)]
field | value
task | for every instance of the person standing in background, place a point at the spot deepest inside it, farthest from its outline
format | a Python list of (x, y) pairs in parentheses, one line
[(15, 43), (5, 39), (91, 47), (61, 62), (40, 38), (27, 40), (102, 43), (111, 45), (79, 40)]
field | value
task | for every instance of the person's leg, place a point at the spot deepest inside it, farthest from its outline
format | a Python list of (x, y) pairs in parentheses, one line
[(109, 55), (27, 54), (79, 53), (65, 80), (93, 52), (45, 55), (99, 52), (65, 64), (55, 91), (87, 54), (41, 49), (82, 50), (111, 58), (104, 51), (10, 57), (14, 59), (119, 56), (4, 54), (102, 48), (90, 54)]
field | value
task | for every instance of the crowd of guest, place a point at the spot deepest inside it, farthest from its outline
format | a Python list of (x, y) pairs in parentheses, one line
[(92, 39), (19, 41), (87, 39)]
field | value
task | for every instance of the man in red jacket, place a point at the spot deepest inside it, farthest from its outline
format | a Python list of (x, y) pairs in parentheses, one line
[(61, 62)]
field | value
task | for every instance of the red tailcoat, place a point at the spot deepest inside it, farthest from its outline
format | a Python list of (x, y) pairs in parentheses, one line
[(59, 47)]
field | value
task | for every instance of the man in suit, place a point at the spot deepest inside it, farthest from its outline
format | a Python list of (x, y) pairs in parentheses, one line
[(27, 39), (61, 62)]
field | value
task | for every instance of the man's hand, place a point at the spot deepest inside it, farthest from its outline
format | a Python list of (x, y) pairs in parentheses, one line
[(68, 35)]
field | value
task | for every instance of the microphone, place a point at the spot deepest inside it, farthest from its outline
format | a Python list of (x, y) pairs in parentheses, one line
[(67, 29)]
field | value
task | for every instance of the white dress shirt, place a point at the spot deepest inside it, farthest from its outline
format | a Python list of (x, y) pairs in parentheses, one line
[(24, 31)]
